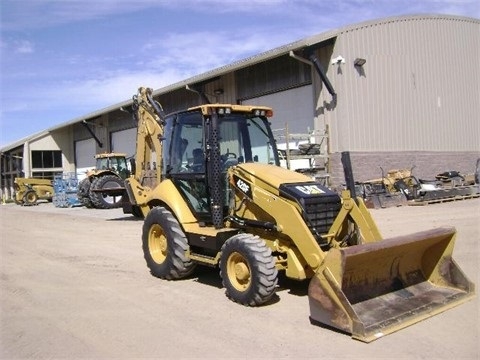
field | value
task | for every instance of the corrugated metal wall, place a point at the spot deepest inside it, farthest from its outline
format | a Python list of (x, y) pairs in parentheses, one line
[(418, 91)]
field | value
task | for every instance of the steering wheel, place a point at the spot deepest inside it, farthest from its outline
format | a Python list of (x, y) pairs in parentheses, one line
[(229, 155), (229, 159)]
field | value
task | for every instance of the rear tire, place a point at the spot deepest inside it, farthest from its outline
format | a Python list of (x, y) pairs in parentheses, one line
[(101, 201), (165, 246), (247, 269)]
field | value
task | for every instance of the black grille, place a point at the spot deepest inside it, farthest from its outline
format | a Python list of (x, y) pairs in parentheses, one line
[(320, 215), (320, 206)]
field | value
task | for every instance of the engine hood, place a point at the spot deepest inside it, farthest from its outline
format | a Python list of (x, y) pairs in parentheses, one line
[(271, 174)]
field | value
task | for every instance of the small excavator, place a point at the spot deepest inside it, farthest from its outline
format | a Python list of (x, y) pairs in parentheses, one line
[(207, 181)]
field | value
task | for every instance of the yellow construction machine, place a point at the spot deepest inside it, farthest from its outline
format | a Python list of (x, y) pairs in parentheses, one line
[(29, 190), (103, 186), (208, 182)]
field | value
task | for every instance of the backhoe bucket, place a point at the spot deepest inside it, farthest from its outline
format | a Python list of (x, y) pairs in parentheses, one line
[(374, 289)]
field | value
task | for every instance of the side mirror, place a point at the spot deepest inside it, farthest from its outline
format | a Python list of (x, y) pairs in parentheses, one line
[(133, 165)]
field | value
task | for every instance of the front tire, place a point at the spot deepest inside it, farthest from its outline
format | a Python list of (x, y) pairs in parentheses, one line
[(30, 197), (247, 269), (165, 246)]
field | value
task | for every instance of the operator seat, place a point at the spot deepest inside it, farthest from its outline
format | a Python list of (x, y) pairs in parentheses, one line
[(198, 163)]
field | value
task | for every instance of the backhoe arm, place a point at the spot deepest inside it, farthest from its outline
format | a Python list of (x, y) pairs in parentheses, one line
[(149, 133), (146, 172)]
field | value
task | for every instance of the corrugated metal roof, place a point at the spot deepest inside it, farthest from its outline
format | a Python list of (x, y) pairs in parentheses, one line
[(267, 55)]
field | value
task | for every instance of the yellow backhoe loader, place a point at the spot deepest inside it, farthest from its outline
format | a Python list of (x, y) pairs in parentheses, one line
[(208, 182)]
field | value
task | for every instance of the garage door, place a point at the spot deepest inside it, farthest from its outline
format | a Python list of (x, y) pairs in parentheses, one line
[(124, 141), (84, 156), (294, 107)]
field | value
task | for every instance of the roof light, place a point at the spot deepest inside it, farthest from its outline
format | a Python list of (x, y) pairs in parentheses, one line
[(263, 112), (223, 111)]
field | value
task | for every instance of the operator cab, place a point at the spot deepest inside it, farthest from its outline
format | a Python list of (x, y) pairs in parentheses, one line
[(203, 142), (114, 162)]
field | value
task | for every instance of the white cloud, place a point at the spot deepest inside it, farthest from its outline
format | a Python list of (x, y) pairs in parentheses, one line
[(107, 86), (30, 14), (199, 52), (117, 88), (23, 47), (43, 13), (78, 97)]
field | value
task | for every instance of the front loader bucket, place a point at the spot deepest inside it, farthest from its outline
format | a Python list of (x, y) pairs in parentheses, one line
[(374, 289)]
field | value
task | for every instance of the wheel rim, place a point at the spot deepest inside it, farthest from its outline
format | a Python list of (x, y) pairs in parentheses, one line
[(109, 198), (238, 271), (157, 243)]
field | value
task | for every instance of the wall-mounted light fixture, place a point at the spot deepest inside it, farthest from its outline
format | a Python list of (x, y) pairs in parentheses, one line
[(218, 92), (359, 62), (338, 60)]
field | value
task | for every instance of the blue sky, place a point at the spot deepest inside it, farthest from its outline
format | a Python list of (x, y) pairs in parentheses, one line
[(61, 59)]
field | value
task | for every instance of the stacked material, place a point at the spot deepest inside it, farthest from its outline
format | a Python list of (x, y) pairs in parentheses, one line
[(65, 187)]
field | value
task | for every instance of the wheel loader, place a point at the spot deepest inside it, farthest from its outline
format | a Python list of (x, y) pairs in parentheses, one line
[(29, 190), (103, 188), (218, 197)]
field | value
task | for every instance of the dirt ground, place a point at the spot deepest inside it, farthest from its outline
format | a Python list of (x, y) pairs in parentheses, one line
[(74, 284)]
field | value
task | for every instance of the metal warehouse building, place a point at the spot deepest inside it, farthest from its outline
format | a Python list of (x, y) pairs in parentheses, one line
[(398, 92)]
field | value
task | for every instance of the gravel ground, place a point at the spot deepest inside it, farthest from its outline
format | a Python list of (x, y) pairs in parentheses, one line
[(74, 284)]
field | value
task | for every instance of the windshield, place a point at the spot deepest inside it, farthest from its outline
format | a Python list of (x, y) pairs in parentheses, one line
[(117, 164), (246, 139)]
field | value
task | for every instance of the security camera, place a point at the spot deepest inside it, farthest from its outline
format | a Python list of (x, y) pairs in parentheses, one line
[(338, 60)]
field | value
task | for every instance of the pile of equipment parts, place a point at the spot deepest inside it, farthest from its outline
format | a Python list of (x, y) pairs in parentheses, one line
[(401, 187)]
